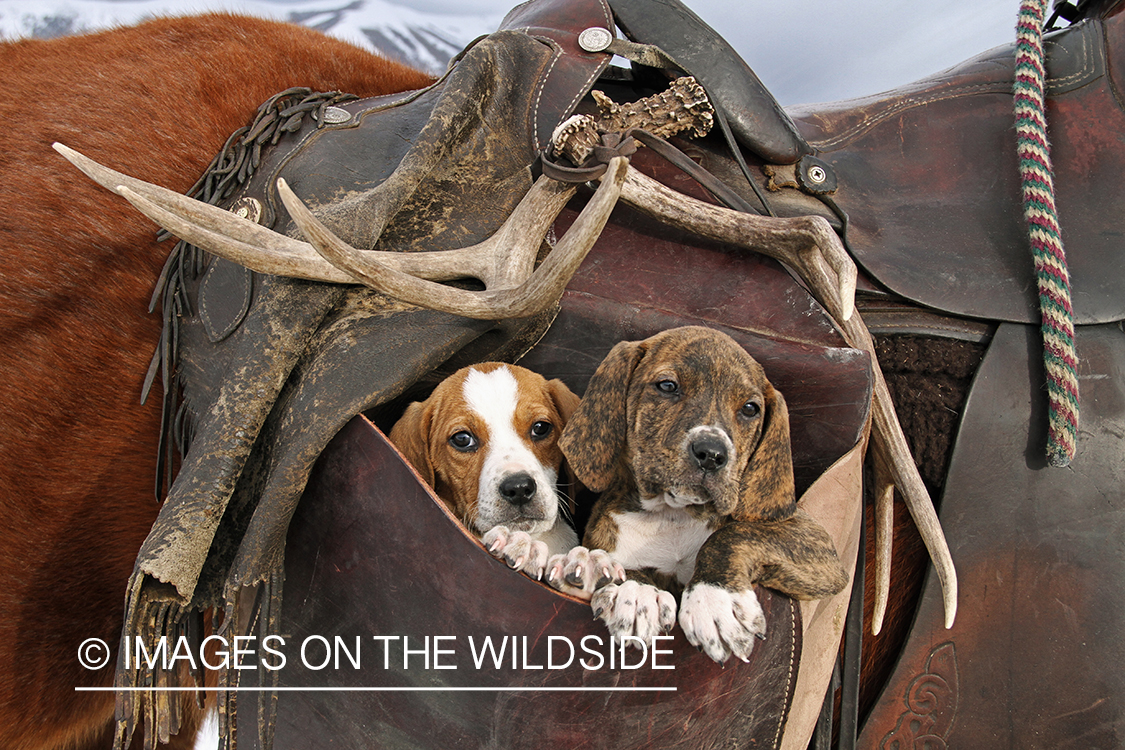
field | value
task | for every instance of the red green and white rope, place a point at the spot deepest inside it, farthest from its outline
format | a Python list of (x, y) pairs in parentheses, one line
[(1043, 231)]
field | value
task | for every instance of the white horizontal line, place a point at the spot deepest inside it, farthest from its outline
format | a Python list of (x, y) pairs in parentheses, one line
[(289, 689)]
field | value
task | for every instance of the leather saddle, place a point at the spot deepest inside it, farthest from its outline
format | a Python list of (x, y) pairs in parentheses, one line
[(262, 373)]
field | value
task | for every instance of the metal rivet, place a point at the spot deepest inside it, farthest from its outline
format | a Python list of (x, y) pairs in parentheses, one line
[(817, 174), (595, 39), (247, 208), (336, 115)]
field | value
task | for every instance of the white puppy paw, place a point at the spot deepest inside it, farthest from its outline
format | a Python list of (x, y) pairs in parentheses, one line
[(633, 608), (583, 571), (722, 623), (518, 549)]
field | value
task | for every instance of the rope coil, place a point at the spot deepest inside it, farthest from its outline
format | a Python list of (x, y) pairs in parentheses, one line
[(1037, 180)]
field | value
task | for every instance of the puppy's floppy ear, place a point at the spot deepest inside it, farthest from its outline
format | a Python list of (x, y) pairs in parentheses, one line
[(768, 491), (595, 435), (566, 401), (411, 435)]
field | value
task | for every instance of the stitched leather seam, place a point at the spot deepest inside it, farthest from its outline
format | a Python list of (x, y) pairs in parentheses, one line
[(203, 314), (607, 17), (783, 715), (982, 88), (1083, 71), (213, 333), (539, 90), (1087, 68)]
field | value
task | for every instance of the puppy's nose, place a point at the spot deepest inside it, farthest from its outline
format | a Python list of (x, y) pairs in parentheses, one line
[(710, 453), (518, 489)]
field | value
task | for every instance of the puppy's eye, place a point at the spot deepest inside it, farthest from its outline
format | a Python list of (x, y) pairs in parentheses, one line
[(750, 410), (464, 441), (541, 430), (670, 387)]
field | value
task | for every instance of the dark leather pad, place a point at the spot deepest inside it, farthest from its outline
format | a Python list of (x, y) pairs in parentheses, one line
[(1034, 658)]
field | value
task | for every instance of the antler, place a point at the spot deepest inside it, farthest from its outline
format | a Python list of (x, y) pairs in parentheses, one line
[(504, 262), (810, 246), (806, 243), (511, 250)]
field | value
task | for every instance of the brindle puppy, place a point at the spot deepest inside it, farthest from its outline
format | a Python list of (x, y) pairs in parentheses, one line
[(689, 444)]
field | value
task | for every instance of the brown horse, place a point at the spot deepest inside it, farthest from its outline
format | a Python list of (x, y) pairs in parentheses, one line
[(77, 268)]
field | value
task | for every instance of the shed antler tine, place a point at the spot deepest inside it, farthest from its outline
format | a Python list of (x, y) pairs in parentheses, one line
[(550, 279), (884, 536), (891, 443), (298, 260), (504, 262), (373, 273), (517, 294), (807, 244), (215, 230), (834, 266)]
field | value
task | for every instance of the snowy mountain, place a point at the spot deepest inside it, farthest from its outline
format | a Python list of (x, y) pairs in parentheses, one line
[(424, 40)]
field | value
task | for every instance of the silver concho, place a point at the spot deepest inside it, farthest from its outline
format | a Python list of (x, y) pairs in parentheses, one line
[(594, 39), (336, 115)]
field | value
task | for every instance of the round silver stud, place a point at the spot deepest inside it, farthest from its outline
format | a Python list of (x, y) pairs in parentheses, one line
[(595, 39), (817, 174)]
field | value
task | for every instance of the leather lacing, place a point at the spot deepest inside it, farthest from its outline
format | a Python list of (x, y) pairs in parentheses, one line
[(282, 114)]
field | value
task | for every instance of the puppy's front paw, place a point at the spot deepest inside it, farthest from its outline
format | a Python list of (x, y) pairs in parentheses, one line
[(518, 549), (722, 623), (583, 571), (636, 609)]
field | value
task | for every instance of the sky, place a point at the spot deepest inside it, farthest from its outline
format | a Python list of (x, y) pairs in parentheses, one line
[(824, 50), (803, 50)]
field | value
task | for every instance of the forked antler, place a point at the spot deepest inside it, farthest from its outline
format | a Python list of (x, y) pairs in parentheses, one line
[(504, 262), (810, 246)]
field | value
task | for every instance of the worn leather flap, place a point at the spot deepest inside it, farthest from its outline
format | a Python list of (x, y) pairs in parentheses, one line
[(929, 178), (1040, 565)]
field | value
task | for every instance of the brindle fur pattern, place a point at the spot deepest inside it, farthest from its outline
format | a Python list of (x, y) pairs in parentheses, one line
[(677, 525)]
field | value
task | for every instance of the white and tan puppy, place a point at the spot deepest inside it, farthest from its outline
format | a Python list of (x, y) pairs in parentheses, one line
[(486, 440)]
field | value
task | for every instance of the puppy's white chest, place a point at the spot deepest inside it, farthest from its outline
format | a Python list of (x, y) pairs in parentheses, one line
[(667, 539)]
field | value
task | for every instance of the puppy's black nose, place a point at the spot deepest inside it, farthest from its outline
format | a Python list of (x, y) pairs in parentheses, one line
[(710, 453), (518, 489)]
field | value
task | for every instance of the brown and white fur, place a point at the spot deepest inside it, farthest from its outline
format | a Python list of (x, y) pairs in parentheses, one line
[(486, 440), (689, 444)]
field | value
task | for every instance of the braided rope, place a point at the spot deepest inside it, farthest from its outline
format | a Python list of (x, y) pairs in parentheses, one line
[(1043, 230)]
